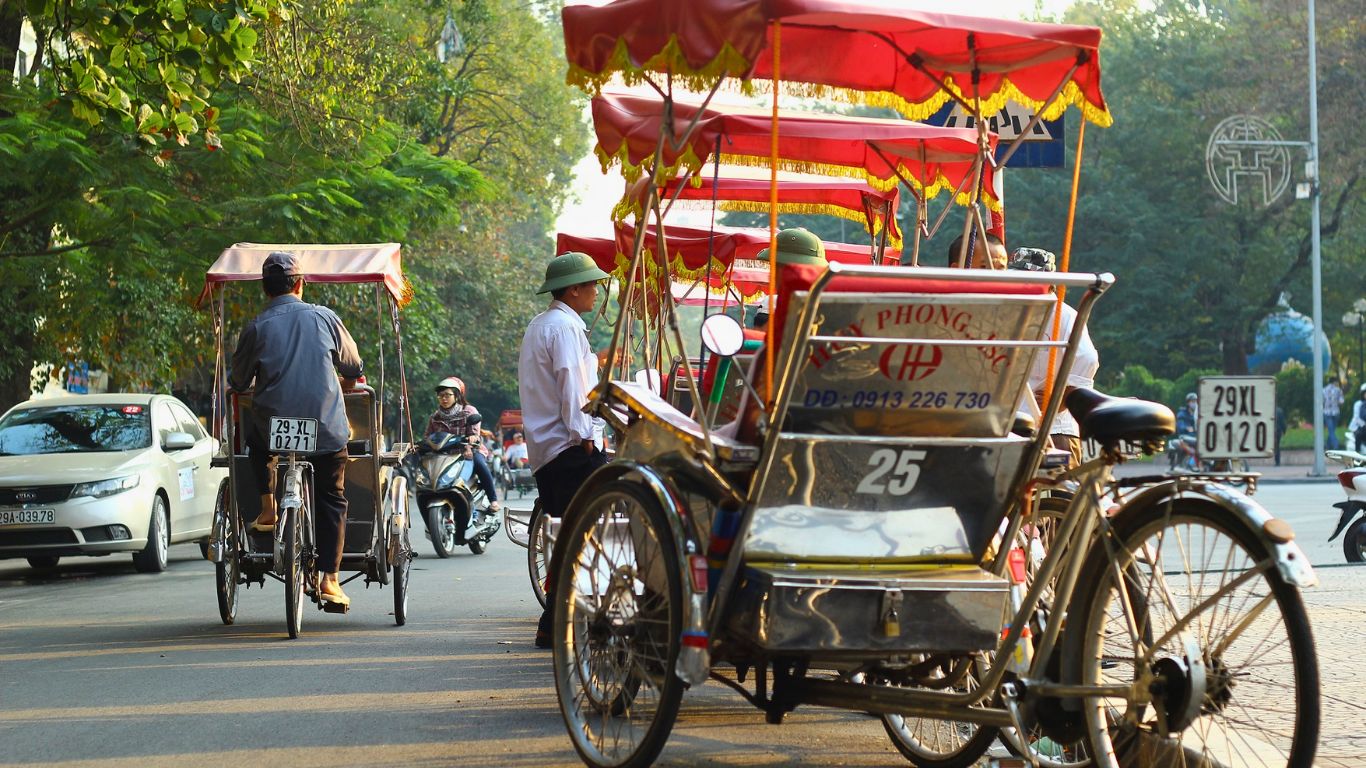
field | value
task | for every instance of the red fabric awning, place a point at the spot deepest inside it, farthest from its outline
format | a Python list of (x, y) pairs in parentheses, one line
[(321, 263), (691, 249), (743, 189), (929, 157), (865, 50)]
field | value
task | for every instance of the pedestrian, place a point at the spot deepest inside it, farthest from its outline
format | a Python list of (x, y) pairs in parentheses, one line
[(1280, 432), (556, 370), (289, 357), (1065, 433), (1332, 407)]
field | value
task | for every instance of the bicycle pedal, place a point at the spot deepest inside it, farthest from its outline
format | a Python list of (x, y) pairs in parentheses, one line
[(330, 607)]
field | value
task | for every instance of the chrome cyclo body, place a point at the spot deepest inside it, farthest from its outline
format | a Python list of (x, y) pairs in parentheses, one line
[(855, 548), (377, 545)]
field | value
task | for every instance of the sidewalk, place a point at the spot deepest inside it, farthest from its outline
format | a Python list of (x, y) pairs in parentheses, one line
[(1295, 467)]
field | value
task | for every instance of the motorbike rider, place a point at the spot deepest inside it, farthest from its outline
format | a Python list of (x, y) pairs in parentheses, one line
[(1186, 419), (454, 415), (1358, 424)]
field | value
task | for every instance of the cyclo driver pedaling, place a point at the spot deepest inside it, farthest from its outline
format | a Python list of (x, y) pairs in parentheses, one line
[(313, 491)]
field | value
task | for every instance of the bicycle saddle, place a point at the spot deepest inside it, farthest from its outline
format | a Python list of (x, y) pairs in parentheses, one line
[(1108, 419)]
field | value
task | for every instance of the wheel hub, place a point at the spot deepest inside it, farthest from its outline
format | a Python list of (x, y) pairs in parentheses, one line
[(1178, 688)]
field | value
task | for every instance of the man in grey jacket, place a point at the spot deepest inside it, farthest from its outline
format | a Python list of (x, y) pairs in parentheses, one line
[(290, 357)]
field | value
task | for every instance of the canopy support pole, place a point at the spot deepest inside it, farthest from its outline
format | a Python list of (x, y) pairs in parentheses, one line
[(1038, 115), (773, 210), (1050, 379)]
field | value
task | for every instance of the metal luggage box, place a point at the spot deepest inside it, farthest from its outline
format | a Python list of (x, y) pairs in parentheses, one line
[(865, 613)]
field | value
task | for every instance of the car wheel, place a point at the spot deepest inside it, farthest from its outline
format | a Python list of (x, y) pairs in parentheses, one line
[(43, 562), (152, 558)]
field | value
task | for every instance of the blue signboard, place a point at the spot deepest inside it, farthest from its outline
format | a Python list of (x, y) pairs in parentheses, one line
[(1043, 147), (78, 378)]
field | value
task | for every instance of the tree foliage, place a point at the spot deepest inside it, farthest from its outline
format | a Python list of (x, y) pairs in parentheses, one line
[(104, 237)]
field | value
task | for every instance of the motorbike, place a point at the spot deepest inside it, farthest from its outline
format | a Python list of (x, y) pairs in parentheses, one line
[(449, 496), (1352, 524), (1182, 453)]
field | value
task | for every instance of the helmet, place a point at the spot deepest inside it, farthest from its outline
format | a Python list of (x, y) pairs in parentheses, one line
[(568, 269), (451, 382), (1191, 396), (798, 246), (1033, 260)]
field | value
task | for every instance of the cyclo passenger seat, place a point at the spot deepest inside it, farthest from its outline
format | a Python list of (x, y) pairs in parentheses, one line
[(889, 463)]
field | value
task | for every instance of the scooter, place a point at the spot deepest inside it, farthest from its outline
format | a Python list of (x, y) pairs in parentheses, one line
[(1182, 453), (449, 496), (1352, 523)]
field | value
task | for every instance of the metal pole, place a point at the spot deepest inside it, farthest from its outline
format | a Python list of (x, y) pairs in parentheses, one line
[(1316, 266)]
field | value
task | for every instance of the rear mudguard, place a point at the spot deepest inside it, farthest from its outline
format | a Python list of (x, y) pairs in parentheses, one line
[(1274, 532), (694, 657), (1350, 509)]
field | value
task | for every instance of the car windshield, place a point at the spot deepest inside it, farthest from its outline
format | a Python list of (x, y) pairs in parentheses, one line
[(75, 429)]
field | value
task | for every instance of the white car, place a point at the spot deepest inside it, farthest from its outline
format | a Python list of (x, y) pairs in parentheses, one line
[(97, 474)]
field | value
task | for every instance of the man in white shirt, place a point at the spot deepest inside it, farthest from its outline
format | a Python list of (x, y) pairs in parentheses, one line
[(515, 455), (1065, 433), (556, 371), (1332, 408)]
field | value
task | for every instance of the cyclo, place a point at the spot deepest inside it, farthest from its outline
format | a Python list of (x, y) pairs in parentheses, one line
[(880, 532), (377, 547)]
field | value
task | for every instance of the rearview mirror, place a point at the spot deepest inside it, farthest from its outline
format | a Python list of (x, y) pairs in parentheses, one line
[(722, 335), (177, 441)]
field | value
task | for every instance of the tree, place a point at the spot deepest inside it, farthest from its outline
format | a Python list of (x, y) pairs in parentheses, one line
[(1195, 275)]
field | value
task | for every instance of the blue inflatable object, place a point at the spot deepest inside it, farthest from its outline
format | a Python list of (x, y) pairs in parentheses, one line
[(1285, 335)]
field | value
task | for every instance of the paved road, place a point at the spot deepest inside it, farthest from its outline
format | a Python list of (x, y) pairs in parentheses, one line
[(100, 666)]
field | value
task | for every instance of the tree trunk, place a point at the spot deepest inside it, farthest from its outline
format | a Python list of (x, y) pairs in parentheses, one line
[(11, 28), (1235, 349)]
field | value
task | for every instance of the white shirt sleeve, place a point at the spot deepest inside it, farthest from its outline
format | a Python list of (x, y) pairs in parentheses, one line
[(567, 360)]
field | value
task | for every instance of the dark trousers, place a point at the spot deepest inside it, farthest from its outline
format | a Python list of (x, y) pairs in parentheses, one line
[(329, 497), (481, 471), (556, 483)]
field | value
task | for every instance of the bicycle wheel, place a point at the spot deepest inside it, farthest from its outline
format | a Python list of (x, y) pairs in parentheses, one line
[(294, 570), (618, 614), (1054, 736), (538, 546), (1220, 640), (933, 743), (227, 571)]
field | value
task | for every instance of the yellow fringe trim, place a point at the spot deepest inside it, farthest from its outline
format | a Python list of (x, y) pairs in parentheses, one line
[(1071, 95), (940, 183), (678, 271), (826, 209), (670, 59)]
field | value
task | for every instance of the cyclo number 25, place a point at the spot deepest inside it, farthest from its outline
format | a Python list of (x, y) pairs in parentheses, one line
[(900, 468)]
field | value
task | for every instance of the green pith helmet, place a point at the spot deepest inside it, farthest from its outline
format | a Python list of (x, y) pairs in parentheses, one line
[(569, 269), (798, 246)]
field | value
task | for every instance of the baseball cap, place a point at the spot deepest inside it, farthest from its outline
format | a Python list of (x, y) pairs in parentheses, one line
[(281, 263)]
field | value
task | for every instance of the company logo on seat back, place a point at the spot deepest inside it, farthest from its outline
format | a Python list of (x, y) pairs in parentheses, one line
[(910, 362)]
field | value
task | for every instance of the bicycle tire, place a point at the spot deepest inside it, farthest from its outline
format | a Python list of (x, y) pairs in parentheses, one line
[(1269, 683), (616, 640)]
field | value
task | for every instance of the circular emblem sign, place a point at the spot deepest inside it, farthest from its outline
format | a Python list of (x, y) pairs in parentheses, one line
[(1240, 159)]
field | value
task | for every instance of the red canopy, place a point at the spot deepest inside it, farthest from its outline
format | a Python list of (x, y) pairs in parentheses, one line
[(321, 263), (739, 188), (691, 250), (877, 53), (928, 157)]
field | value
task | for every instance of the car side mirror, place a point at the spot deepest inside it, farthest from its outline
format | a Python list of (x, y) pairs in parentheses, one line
[(722, 335), (177, 441)]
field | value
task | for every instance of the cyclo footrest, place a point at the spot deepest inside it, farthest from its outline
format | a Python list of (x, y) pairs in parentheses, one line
[(862, 612)]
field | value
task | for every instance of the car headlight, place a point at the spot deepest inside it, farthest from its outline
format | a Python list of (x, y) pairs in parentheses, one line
[(102, 488)]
